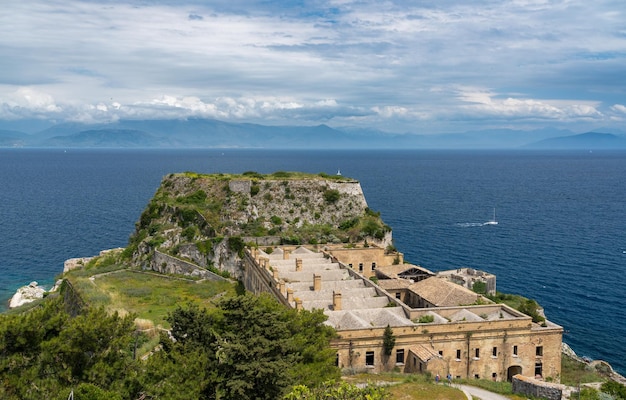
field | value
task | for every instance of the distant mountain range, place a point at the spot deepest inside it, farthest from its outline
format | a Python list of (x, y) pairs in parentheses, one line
[(209, 133)]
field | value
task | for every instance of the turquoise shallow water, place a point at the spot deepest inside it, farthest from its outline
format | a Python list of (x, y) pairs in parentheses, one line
[(560, 237)]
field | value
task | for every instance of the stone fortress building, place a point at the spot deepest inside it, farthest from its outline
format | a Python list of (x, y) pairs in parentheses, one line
[(439, 326)]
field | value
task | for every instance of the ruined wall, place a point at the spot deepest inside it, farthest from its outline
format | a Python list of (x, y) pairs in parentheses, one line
[(166, 264), (531, 387), (369, 257)]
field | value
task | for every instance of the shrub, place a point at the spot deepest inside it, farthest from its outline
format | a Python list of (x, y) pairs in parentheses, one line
[(479, 287), (426, 319), (253, 174), (189, 232), (615, 389), (254, 190), (197, 197), (332, 195), (236, 244)]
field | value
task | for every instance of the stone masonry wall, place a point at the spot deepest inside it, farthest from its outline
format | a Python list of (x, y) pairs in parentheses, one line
[(167, 264), (531, 387)]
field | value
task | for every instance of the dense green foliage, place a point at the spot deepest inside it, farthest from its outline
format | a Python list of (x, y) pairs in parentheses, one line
[(615, 389), (247, 348), (45, 352), (527, 306)]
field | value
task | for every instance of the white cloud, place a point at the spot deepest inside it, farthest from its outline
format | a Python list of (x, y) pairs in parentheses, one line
[(620, 108), (393, 64)]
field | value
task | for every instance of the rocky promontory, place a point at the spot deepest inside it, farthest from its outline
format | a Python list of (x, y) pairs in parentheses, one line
[(27, 294)]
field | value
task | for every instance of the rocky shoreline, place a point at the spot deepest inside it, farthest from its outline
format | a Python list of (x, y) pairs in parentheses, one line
[(27, 294), (33, 291)]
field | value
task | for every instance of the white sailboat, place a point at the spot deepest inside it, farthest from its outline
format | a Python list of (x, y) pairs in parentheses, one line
[(492, 221)]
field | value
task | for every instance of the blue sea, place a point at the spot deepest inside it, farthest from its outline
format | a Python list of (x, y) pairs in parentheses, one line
[(561, 237)]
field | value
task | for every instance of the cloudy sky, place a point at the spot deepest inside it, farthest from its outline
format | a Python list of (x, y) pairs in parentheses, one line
[(401, 66)]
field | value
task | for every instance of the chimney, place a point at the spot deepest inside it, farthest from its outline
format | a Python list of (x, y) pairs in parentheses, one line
[(290, 295), (336, 301), (286, 254), (317, 282), (298, 264), (298, 304)]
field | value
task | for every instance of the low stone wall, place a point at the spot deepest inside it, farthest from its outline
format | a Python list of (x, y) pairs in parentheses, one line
[(166, 264), (532, 387)]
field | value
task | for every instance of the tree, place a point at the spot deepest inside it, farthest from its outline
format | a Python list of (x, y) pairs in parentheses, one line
[(389, 341), (45, 352), (248, 347)]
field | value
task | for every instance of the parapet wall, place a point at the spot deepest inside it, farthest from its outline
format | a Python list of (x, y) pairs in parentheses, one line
[(532, 387)]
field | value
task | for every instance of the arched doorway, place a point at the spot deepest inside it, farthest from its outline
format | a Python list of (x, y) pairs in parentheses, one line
[(512, 371)]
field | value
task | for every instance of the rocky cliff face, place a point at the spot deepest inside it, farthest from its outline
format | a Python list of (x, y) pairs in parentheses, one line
[(206, 219)]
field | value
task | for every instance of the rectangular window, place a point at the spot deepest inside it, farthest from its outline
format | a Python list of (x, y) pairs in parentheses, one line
[(476, 376), (458, 354), (398, 295), (477, 355), (494, 352), (369, 358), (360, 267), (373, 266), (539, 351), (400, 356), (441, 353), (350, 265), (515, 350), (337, 360), (538, 369)]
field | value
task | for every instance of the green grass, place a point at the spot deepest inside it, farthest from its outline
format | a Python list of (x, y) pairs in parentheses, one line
[(149, 296), (574, 372), (284, 175), (410, 387)]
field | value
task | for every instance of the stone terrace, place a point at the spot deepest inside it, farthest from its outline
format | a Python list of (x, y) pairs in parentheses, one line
[(349, 301), (311, 280)]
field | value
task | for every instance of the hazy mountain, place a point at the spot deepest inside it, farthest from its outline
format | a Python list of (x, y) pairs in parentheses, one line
[(9, 138), (210, 133), (106, 138), (583, 141)]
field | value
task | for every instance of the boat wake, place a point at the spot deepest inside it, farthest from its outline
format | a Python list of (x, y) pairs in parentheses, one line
[(474, 224), (470, 224)]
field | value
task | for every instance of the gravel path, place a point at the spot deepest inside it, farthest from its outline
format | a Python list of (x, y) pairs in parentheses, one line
[(481, 393)]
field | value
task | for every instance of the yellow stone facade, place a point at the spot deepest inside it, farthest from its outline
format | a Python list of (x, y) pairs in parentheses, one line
[(487, 341)]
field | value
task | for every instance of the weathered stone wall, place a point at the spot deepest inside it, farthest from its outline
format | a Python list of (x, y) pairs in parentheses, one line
[(532, 387), (370, 257), (240, 186), (167, 264)]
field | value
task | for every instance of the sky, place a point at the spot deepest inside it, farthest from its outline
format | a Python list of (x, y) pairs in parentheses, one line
[(398, 66)]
